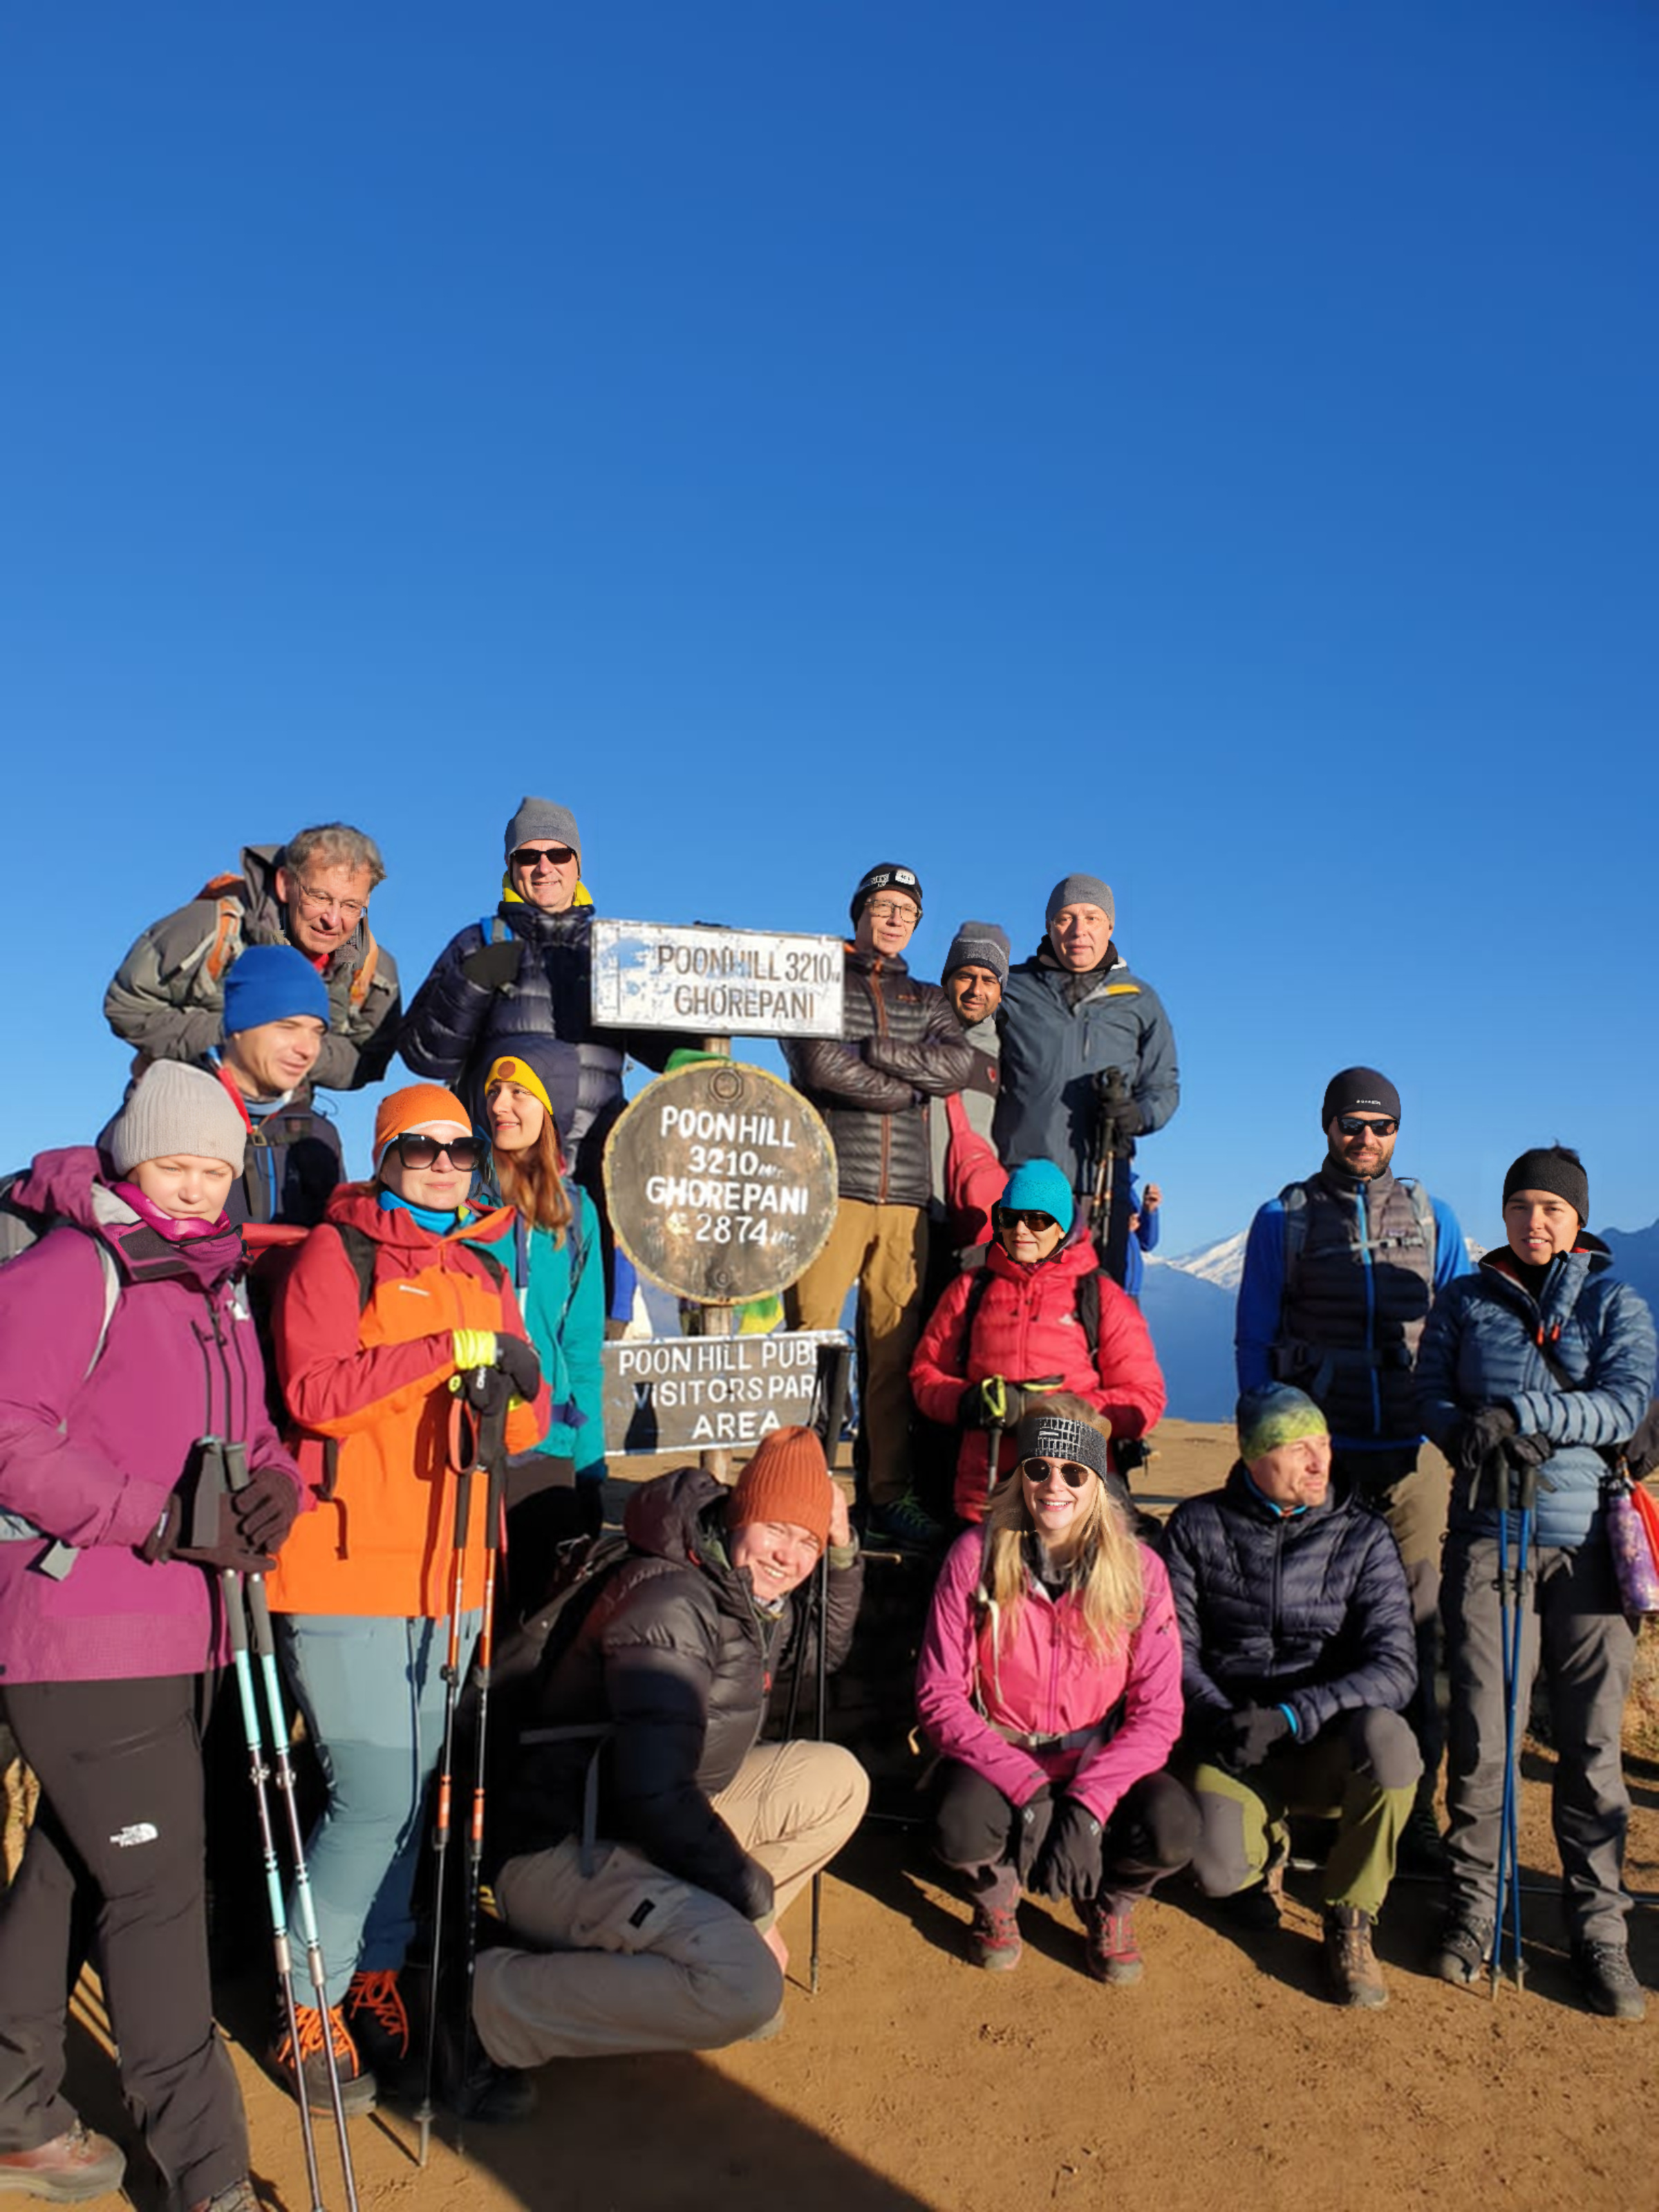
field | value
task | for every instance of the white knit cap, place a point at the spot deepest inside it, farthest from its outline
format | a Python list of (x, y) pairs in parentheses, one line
[(174, 1108)]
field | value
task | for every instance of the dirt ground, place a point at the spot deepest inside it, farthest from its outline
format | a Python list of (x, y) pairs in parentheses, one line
[(914, 2080)]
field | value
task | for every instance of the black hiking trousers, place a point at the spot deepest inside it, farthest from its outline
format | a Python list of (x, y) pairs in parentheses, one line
[(120, 1819)]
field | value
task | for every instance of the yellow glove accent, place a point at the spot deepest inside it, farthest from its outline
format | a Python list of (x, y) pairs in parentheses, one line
[(474, 1347), (994, 1391)]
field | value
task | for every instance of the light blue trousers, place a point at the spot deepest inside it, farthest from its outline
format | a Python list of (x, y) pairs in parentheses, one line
[(371, 1691)]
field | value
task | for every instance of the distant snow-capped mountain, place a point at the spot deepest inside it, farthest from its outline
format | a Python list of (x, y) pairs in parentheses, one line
[(1221, 1264)]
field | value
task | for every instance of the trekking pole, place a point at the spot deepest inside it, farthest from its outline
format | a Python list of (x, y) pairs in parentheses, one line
[(492, 1455), (1508, 1610), (1526, 1497), (305, 1905), (1114, 1093), (230, 1583), (822, 1660), (452, 1678)]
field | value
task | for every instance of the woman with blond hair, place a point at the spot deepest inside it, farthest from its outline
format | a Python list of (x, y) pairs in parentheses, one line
[(1049, 1682)]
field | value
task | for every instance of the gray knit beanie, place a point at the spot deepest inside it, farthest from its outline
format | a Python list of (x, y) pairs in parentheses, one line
[(175, 1109), (978, 944), (540, 817), (1079, 890)]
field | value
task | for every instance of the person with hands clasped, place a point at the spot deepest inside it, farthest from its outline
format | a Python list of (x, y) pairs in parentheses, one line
[(128, 1357), (1298, 1660), (387, 1305), (1049, 1682), (1038, 1315), (1540, 1361)]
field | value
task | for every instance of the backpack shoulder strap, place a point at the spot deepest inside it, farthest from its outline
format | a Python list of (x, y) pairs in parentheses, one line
[(364, 978), (360, 1249), (1088, 1309), (1423, 1213), (230, 894)]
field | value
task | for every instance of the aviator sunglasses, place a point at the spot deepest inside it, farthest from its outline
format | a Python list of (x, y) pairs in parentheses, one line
[(415, 1150)]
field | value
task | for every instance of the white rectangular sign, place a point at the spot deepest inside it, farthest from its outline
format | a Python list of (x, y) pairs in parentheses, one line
[(715, 982)]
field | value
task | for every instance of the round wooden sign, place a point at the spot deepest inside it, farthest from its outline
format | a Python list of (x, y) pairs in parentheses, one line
[(721, 1182)]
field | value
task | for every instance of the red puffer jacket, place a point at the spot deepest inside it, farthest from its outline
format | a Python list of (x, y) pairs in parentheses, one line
[(1026, 1328)]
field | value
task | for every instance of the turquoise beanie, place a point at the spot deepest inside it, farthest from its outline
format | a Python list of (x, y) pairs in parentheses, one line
[(1039, 1186)]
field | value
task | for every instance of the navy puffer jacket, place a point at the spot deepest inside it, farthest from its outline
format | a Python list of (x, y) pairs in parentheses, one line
[(457, 1028), (1311, 1612), (1575, 1365)]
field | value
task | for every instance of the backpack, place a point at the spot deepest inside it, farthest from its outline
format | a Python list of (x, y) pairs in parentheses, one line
[(230, 895), (20, 1232), (1294, 1200)]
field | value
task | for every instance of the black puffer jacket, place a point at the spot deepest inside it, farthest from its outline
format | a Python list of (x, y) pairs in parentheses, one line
[(676, 1654), (457, 1028), (1311, 1612), (900, 1045)]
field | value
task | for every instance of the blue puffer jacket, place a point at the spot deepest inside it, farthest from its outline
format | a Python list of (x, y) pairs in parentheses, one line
[(1059, 1032), (1310, 1612), (1485, 1344), (456, 1029)]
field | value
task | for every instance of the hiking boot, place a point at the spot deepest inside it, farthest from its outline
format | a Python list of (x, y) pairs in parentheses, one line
[(1422, 1846), (376, 2015), (907, 1523), (474, 2088), (1110, 1952), (66, 2169), (357, 2085), (1351, 1966), (1605, 1981), (1461, 1957), (994, 1940), (1258, 1906), (238, 2197)]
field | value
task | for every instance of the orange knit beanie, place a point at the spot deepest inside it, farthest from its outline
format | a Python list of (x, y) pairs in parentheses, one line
[(788, 1479)]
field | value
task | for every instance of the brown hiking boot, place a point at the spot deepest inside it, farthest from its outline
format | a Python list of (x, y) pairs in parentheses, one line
[(66, 2169), (357, 2084), (379, 2022), (1350, 1965)]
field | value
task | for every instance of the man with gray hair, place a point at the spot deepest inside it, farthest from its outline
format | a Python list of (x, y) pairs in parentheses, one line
[(166, 998), (1088, 1060)]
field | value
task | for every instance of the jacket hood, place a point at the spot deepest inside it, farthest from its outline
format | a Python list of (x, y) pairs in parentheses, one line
[(69, 1185), (357, 1205), (661, 1517), (1589, 1256)]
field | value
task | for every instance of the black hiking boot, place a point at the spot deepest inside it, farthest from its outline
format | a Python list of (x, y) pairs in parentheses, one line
[(358, 2088), (1607, 1983), (474, 2088), (379, 2022), (1464, 1948)]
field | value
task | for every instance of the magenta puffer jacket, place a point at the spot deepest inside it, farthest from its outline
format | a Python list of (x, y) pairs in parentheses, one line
[(90, 1459), (1046, 1681)]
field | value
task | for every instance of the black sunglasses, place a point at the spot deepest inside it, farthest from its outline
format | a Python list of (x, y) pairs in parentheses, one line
[(1036, 1470), (556, 856), (416, 1150), (1356, 1125), (1012, 1217)]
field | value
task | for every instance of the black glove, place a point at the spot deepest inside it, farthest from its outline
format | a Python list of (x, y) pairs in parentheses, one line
[(995, 1403), (163, 1545), (493, 967), (1479, 1437), (1070, 1864), (1030, 1832), (1527, 1451), (266, 1509), (518, 1362), (1249, 1734), (1129, 1121)]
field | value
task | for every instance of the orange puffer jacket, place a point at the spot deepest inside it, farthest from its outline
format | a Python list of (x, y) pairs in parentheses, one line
[(373, 1380)]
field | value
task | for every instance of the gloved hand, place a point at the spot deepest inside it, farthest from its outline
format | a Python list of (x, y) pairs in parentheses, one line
[(518, 1362), (266, 1509), (1247, 1735), (473, 1347), (1476, 1439), (163, 1545), (1129, 1121), (1527, 1451), (995, 1403), (1030, 1832), (1070, 1863), (493, 967)]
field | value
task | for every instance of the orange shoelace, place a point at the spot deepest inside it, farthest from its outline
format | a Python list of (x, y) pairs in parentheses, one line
[(378, 1994), (310, 2036)]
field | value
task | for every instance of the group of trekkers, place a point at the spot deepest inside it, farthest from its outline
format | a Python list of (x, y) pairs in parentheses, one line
[(236, 1387)]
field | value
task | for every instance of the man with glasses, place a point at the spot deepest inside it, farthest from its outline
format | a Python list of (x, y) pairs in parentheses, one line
[(1340, 1271), (900, 1046), (166, 998), (1088, 1060)]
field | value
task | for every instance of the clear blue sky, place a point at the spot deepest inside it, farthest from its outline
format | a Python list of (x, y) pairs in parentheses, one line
[(1211, 446)]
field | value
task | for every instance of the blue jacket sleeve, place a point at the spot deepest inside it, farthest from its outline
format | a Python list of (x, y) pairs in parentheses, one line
[(1438, 1406), (1146, 1229), (584, 1339), (1260, 1296), (1451, 1254), (447, 1014), (1620, 1387)]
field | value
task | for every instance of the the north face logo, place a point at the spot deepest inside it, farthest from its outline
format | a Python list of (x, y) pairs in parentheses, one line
[(138, 1831)]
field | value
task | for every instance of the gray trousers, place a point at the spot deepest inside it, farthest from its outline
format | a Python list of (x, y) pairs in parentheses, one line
[(1571, 1624)]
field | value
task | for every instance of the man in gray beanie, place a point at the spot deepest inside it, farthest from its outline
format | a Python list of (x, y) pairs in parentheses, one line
[(1073, 1018), (968, 1175)]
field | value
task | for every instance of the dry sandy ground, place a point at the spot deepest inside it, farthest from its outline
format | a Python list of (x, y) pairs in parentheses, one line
[(1224, 2078)]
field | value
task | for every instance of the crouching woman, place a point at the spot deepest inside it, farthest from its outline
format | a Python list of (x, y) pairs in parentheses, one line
[(1050, 1681)]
